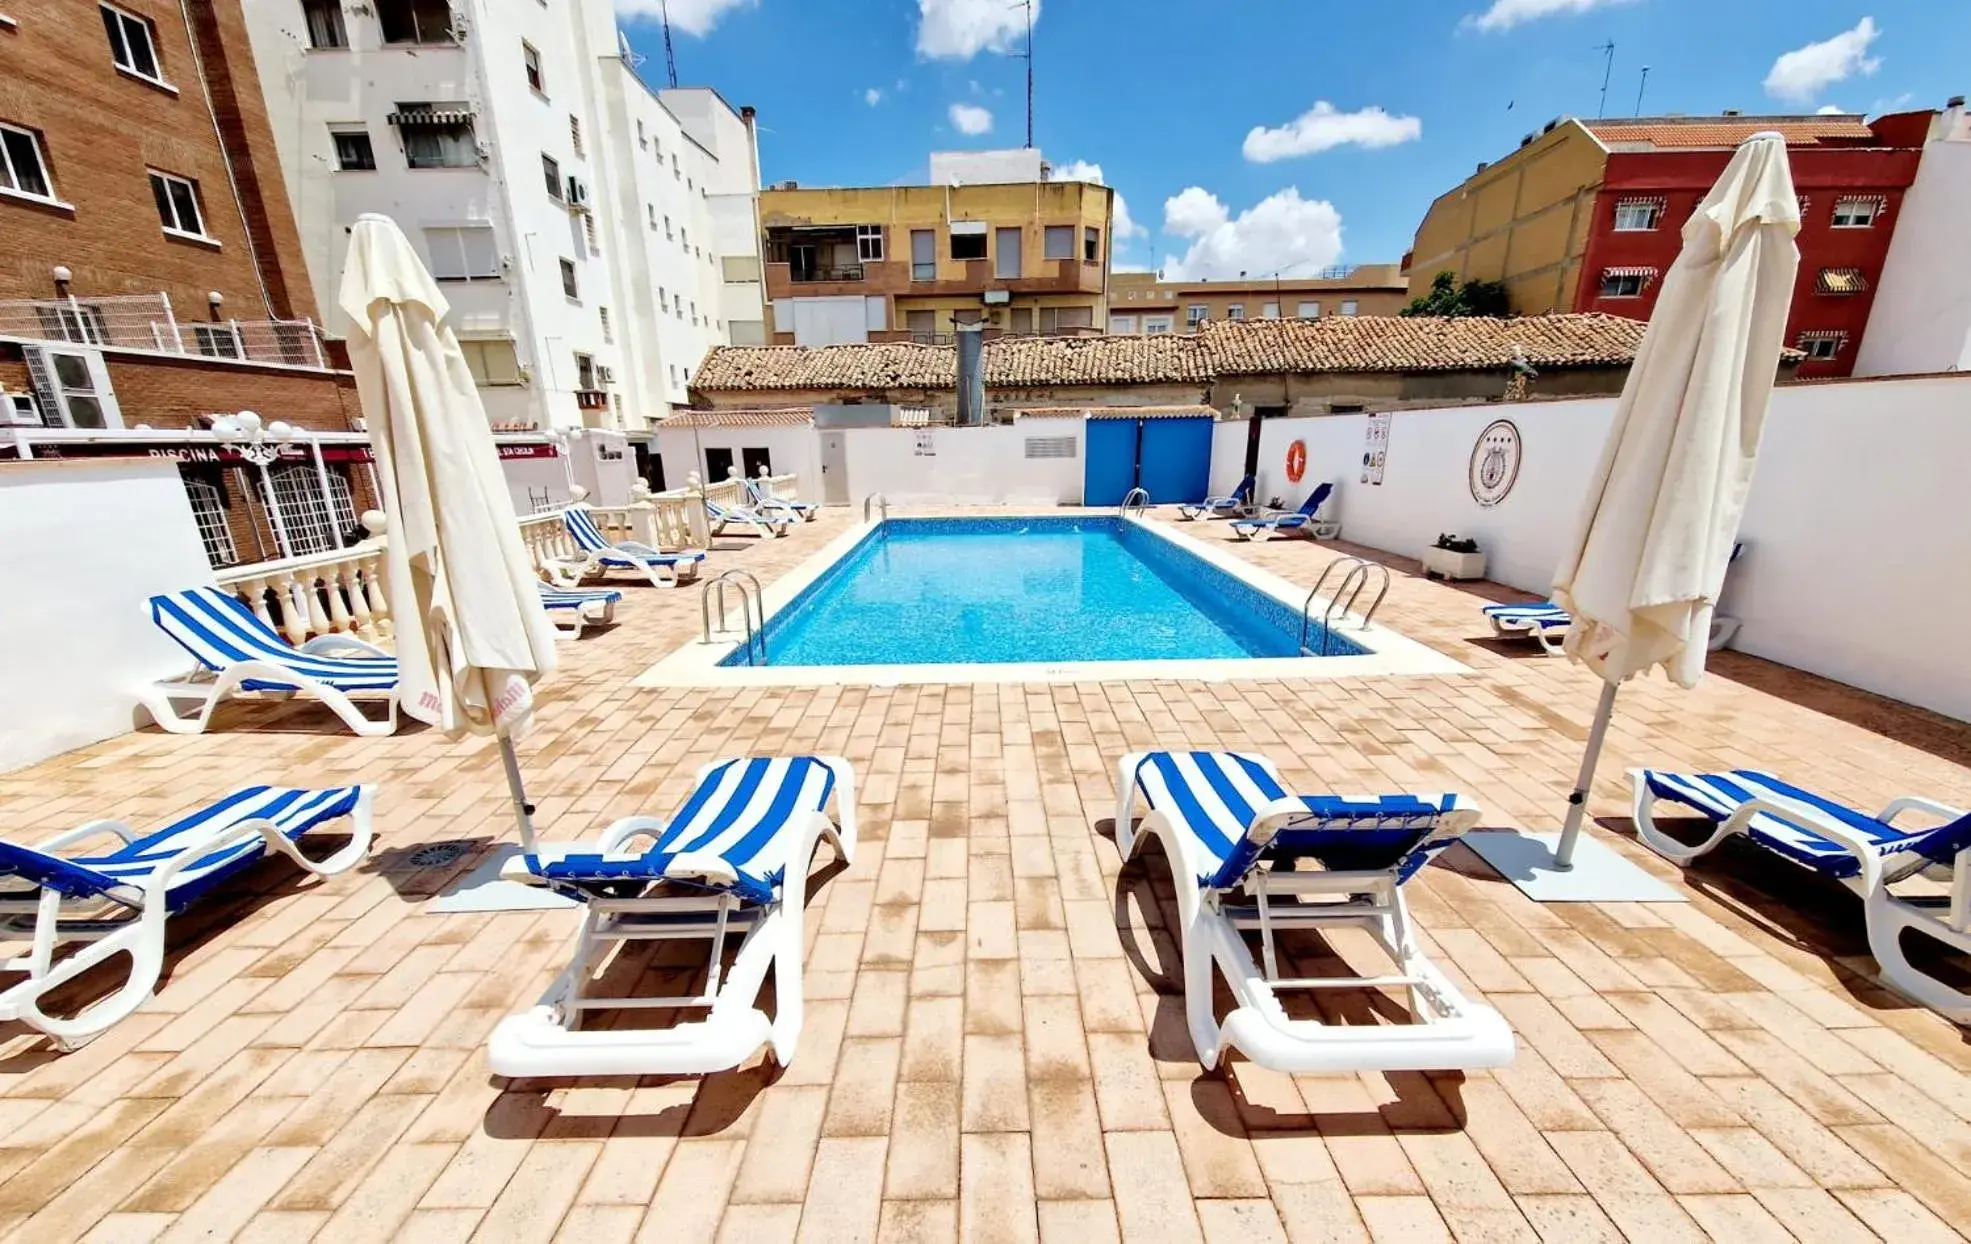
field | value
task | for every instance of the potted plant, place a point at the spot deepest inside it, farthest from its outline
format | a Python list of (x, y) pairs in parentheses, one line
[(1454, 557)]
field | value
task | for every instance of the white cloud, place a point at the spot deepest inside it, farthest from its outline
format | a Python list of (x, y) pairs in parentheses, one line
[(873, 96), (1323, 127), (961, 29), (691, 17), (1830, 110), (1281, 231), (970, 119), (1124, 225), (1505, 14), (1801, 74)]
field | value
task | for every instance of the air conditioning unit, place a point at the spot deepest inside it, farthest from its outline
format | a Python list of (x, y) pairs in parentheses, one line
[(603, 374), (578, 192), (21, 408)]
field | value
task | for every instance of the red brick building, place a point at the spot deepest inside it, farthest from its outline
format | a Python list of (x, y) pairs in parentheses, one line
[(151, 275), (1850, 176)]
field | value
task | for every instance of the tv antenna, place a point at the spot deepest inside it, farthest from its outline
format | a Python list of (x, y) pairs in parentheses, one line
[(671, 56), (631, 56), (1640, 88), (1606, 49), (1027, 56)]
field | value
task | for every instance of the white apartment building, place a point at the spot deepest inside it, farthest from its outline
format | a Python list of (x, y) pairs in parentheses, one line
[(582, 225)]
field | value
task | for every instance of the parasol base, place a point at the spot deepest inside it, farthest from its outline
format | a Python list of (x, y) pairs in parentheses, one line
[(483, 889), (1600, 874)]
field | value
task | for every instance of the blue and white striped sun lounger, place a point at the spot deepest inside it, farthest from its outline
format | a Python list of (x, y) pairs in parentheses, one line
[(574, 610), (1236, 839), (734, 860), (1300, 520), (118, 901), (1546, 622), (236, 651), (766, 503), (1237, 502), (599, 555), (763, 522), (1867, 853)]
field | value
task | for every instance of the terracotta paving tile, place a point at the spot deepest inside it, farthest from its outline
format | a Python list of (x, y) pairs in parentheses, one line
[(994, 1044)]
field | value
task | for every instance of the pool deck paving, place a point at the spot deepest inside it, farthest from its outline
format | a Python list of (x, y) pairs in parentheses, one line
[(994, 1046)]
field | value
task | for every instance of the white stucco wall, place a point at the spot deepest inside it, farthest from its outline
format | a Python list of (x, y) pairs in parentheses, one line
[(78, 635), (792, 450), (1921, 320), (968, 466), (1857, 547)]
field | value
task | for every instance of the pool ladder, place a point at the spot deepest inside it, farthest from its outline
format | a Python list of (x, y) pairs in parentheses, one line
[(880, 501), (1135, 501), (752, 611), (1356, 577)]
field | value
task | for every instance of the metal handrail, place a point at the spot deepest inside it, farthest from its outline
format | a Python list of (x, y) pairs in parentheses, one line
[(752, 609), (1135, 501), (881, 501), (1343, 601)]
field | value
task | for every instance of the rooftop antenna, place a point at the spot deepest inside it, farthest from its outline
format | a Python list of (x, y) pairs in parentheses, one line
[(1606, 49), (631, 56), (671, 57), (1027, 56), (1640, 88)]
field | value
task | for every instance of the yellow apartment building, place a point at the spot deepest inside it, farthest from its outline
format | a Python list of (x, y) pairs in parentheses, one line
[(902, 263), (1141, 304)]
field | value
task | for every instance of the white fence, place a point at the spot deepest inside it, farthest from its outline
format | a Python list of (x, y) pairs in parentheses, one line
[(1033, 462), (1857, 530)]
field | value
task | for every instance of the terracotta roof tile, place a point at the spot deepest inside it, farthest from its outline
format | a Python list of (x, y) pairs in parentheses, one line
[(1012, 362), (1728, 131), (785, 417), (884, 366), (1113, 412), (1385, 343)]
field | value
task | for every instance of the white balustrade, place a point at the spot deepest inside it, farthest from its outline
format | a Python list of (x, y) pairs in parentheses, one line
[(321, 594)]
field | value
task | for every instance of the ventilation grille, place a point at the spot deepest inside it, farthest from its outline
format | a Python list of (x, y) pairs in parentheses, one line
[(1050, 446)]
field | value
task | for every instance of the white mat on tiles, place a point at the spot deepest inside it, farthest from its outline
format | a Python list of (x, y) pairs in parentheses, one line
[(483, 889)]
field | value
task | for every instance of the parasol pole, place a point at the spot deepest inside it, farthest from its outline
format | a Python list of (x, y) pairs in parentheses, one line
[(1577, 803), (523, 812)]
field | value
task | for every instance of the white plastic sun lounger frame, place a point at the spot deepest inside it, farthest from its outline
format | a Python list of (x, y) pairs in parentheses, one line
[(764, 525), (547, 1040), (1885, 915), (131, 920), (209, 688), (1552, 637), (1450, 1031)]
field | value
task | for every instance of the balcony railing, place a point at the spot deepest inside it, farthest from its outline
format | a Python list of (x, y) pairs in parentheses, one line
[(146, 322), (848, 272)]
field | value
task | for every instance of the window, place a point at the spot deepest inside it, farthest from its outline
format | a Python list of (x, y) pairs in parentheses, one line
[(22, 170), (1007, 243), (1122, 325), (1638, 215), (133, 45), (1196, 314), (1856, 213), (492, 363), (1623, 283), (311, 520), (588, 231), (1156, 325), (642, 139), (1022, 319), (1091, 245), (324, 18), (968, 245), (568, 285), (1060, 319), (584, 370), (530, 62), (755, 462), (663, 299), (1309, 310), (923, 255), (684, 239), (436, 135), (463, 253), (718, 464), (869, 243), (415, 21), (921, 325), (651, 208), (575, 135), (551, 170), (1841, 281), (1269, 310), (82, 323), (1236, 311), (177, 205), (209, 512), (1349, 306), (608, 333), (1821, 346), (217, 341), (353, 152), (1058, 242), (667, 228)]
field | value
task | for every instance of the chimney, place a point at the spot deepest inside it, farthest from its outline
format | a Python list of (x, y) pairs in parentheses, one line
[(971, 375), (1734, 112)]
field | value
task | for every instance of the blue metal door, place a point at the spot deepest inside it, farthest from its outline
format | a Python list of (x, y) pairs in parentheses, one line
[(1108, 462), (1175, 461)]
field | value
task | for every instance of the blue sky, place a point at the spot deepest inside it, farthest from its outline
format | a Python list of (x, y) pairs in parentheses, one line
[(1259, 134)]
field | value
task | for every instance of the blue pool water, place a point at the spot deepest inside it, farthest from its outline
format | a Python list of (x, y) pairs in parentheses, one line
[(990, 591)]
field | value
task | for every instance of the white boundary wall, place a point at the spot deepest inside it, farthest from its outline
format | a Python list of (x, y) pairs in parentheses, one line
[(1858, 528), (88, 541), (967, 466)]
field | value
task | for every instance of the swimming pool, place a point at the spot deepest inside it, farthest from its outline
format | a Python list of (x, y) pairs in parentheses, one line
[(984, 591)]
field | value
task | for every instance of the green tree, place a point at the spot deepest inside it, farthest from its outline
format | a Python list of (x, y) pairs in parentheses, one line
[(1447, 297)]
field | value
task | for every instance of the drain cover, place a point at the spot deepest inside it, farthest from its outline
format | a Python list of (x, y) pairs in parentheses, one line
[(438, 854)]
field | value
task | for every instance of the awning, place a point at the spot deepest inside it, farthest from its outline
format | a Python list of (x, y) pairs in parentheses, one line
[(432, 117), (961, 228), (1841, 281), (1645, 200), (1647, 274)]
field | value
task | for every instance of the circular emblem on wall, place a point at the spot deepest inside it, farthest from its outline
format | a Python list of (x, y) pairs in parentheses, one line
[(1296, 461), (1495, 462)]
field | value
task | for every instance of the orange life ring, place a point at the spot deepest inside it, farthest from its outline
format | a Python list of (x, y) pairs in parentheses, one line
[(1296, 461)]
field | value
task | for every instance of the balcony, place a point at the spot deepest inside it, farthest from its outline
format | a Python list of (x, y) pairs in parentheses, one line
[(591, 399), (809, 275), (146, 322)]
